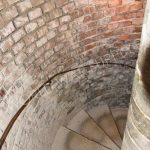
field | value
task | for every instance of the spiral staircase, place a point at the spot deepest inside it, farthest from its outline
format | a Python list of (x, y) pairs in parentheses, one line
[(100, 128)]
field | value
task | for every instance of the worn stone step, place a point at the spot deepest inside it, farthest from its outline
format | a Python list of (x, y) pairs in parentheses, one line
[(103, 117), (69, 140), (83, 124), (120, 117)]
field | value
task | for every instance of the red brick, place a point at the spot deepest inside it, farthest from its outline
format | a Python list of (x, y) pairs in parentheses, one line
[(87, 34), (101, 30), (74, 14), (86, 10), (118, 31), (136, 6), (92, 24), (88, 41), (140, 14), (135, 36), (137, 21), (87, 18), (130, 15), (77, 13), (100, 2), (138, 29), (118, 44), (97, 15), (101, 8), (119, 24), (118, 18), (92, 9), (2, 93), (114, 2), (113, 26), (128, 29), (124, 2), (51, 44), (124, 30), (108, 34), (125, 23), (122, 9), (123, 37), (90, 46), (91, 33), (109, 11)]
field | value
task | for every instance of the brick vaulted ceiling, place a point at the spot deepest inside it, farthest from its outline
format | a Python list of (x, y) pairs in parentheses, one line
[(42, 38)]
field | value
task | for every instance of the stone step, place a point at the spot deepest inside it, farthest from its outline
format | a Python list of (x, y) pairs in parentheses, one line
[(69, 140), (83, 124), (103, 117), (120, 117)]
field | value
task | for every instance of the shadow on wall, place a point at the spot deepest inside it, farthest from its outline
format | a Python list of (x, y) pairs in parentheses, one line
[(144, 65)]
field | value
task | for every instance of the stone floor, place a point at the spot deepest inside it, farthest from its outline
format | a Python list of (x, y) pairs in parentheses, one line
[(101, 128)]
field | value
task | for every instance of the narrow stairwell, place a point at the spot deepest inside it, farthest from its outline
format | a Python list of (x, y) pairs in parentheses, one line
[(100, 128)]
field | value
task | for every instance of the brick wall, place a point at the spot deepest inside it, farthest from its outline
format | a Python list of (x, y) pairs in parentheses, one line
[(39, 38), (55, 105)]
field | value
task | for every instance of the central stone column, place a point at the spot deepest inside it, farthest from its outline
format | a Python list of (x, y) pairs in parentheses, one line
[(137, 134)]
